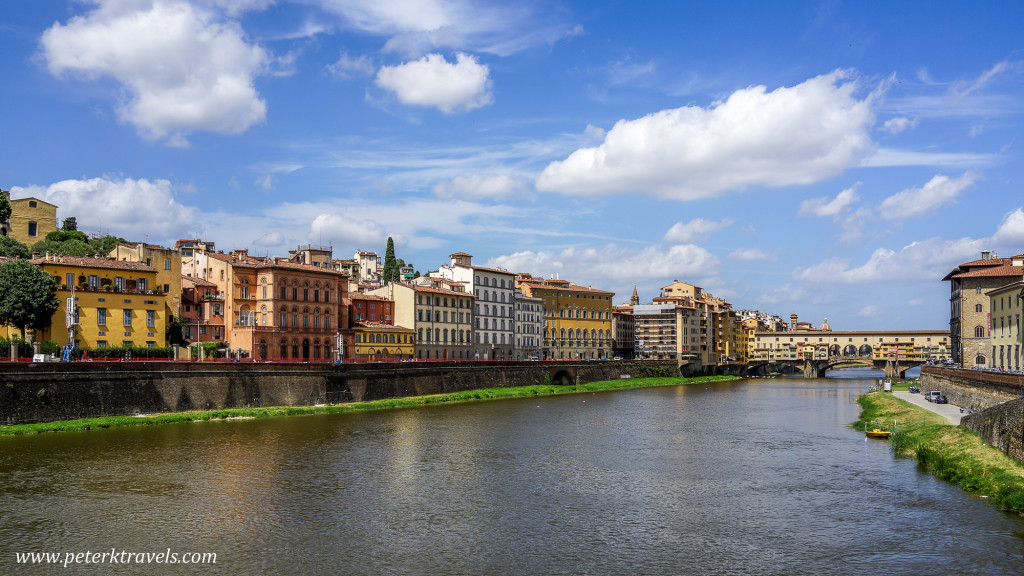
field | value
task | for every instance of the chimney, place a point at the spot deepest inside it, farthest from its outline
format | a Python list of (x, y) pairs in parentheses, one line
[(985, 254)]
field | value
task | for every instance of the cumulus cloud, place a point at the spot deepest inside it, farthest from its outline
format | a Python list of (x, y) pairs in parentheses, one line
[(182, 69), (271, 239), (750, 254), (433, 81), (1011, 230), (931, 258), (132, 209), (480, 186), (346, 230), (789, 136), (937, 192), (831, 208), (694, 230), (897, 125), (613, 267), (348, 66)]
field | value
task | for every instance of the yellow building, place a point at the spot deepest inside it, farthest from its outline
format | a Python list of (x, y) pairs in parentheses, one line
[(375, 341), (166, 262), (31, 220), (116, 301), (577, 320)]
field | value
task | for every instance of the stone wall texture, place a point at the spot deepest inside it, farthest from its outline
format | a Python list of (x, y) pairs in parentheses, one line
[(996, 402), (46, 392)]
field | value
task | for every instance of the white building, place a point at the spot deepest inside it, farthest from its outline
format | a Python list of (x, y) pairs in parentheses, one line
[(529, 327), (494, 310)]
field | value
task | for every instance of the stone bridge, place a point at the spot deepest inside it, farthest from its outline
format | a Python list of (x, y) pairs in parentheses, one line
[(816, 368)]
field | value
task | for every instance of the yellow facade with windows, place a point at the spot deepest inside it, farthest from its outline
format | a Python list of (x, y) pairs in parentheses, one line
[(166, 262), (577, 320), (116, 303), (372, 341)]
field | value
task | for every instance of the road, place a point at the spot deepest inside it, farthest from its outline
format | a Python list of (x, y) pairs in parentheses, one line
[(949, 411)]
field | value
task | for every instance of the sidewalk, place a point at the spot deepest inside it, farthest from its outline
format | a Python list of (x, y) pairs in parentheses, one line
[(949, 411)]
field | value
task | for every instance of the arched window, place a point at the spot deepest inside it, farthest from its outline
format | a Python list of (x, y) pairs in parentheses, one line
[(978, 308), (979, 331), (979, 360)]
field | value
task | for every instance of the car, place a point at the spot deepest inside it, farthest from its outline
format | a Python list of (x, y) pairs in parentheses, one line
[(941, 399), (933, 395), (913, 389)]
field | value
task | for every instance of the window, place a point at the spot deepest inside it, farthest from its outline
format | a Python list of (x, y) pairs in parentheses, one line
[(978, 308), (32, 204), (979, 331), (94, 281), (150, 318), (167, 263), (127, 317), (119, 282), (143, 284), (31, 228), (101, 316)]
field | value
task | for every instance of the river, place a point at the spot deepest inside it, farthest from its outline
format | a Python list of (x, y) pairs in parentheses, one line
[(744, 477)]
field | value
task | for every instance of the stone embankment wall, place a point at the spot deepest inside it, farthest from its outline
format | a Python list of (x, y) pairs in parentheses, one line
[(54, 391), (994, 398)]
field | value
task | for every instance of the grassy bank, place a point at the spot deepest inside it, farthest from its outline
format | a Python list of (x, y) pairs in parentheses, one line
[(952, 453), (385, 404)]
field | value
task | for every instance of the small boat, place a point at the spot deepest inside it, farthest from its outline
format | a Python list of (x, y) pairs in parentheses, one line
[(878, 433)]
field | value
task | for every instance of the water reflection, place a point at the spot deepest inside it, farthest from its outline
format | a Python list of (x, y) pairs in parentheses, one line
[(760, 476)]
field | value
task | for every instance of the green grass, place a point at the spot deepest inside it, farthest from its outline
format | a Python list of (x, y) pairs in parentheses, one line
[(952, 453), (385, 404)]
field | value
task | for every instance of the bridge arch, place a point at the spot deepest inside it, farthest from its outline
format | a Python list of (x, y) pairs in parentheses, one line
[(562, 377), (865, 350), (850, 350)]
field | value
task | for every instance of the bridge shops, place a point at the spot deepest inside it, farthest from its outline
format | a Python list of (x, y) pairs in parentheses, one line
[(917, 346)]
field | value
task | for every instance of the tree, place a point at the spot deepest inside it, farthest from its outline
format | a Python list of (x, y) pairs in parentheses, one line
[(66, 248), (173, 334), (70, 223), (5, 207), (27, 296), (390, 264), (11, 248)]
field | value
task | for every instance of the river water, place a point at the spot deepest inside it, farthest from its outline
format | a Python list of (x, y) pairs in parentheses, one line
[(746, 477)]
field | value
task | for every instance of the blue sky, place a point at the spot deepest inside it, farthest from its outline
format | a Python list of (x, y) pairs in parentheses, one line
[(827, 159)]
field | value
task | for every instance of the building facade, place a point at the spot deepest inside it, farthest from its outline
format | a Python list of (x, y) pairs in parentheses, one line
[(31, 220), (624, 332), (1006, 306), (115, 301), (577, 319), (166, 262), (969, 312), (655, 331), (494, 311), (442, 319), (529, 327)]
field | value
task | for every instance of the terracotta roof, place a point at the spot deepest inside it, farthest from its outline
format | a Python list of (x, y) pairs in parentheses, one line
[(303, 267), (434, 290), (564, 285), (1005, 286), (195, 281), (486, 269), (1006, 269), (379, 326), (87, 262), (363, 296), (460, 254)]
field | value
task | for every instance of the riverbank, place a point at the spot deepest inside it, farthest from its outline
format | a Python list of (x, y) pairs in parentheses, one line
[(952, 453), (385, 404)]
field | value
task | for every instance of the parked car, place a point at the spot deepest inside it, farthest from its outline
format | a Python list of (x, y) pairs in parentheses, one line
[(941, 399), (933, 396), (914, 390)]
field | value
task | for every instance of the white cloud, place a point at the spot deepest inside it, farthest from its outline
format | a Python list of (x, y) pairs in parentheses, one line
[(964, 88), (868, 311), (750, 254), (1011, 231), (346, 230), (271, 239), (133, 209), (887, 157), (789, 136), (831, 208), (937, 192), (182, 69), (433, 81), (612, 267), (480, 186), (266, 182), (931, 258), (694, 230), (347, 66), (897, 125)]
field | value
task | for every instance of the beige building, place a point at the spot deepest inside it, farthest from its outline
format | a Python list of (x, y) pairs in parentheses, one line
[(31, 220), (494, 308), (969, 303), (1006, 306), (442, 319), (166, 262)]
